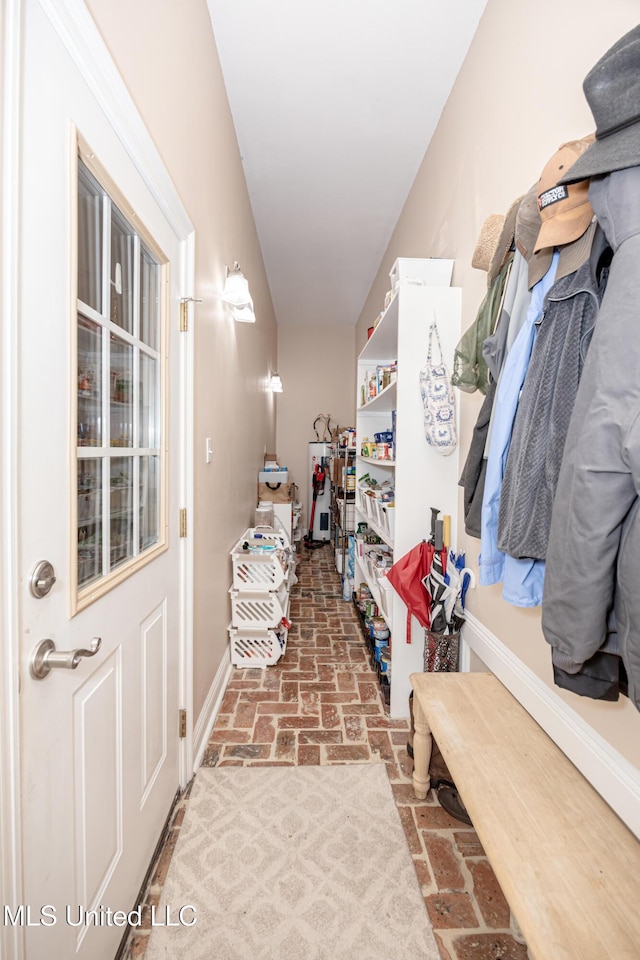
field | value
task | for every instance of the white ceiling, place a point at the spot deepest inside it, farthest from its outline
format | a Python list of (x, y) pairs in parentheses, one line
[(334, 103)]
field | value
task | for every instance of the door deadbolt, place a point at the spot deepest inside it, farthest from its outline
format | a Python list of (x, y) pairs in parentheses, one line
[(42, 579)]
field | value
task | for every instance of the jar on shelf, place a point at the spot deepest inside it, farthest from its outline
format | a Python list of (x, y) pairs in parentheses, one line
[(366, 447)]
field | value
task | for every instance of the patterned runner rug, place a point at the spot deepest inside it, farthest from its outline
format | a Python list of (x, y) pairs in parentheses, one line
[(292, 863)]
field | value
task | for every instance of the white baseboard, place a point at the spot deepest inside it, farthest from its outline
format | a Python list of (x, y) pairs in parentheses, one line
[(615, 779), (210, 709)]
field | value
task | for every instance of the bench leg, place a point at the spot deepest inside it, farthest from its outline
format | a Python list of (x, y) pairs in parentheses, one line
[(422, 745), (516, 932)]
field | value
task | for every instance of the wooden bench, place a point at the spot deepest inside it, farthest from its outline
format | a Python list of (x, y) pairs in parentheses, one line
[(568, 866)]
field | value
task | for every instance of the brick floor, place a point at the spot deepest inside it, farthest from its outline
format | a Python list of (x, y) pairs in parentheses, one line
[(322, 704)]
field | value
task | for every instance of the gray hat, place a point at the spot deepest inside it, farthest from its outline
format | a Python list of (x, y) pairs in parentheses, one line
[(527, 228), (612, 89)]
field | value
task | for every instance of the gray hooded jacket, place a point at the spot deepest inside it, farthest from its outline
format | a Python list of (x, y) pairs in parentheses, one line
[(545, 406), (593, 557)]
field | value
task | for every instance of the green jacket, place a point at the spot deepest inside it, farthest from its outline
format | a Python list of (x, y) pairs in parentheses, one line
[(469, 368)]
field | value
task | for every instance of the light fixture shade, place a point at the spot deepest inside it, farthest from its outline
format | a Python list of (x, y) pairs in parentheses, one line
[(275, 383), (236, 290), (243, 314), (236, 294)]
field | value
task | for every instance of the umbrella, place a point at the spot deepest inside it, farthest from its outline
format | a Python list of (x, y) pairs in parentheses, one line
[(448, 588), (435, 582), (459, 578), (407, 577)]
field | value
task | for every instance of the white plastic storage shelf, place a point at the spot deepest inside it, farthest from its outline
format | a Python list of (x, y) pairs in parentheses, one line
[(264, 565), (263, 569), (258, 609), (251, 648)]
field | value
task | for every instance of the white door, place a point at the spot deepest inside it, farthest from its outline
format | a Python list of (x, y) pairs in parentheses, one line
[(99, 435)]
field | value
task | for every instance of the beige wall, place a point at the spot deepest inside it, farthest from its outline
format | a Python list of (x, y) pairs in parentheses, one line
[(166, 54), (517, 98), (318, 372)]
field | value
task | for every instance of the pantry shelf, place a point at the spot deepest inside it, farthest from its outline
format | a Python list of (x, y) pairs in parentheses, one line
[(383, 401), (381, 598), (394, 497), (381, 462)]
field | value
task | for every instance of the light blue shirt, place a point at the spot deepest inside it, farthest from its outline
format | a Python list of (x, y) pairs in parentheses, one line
[(523, 580)]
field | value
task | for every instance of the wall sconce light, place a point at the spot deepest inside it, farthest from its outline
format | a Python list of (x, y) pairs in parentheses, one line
[(275, 383), (236, 295)]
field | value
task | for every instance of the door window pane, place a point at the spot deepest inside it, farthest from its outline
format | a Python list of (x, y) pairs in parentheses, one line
[(90, 239), (121, 507), (89, 521), (121, 271), (149, 299), (149, 406), (89, 412), (120, 392), (149, 516)]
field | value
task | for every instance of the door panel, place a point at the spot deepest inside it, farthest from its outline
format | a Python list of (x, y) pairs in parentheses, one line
[(153, 640), (99, 743), (97, 721)]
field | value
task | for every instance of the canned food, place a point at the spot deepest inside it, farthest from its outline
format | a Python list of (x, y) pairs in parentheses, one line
[(380, 628)]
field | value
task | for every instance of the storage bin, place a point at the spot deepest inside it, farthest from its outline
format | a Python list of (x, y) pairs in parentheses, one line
[(370, 507), (273, 476), (425, 272), (276, 492), (256, 648), (389, 519), (260, 571), (377, 514), (252, 534), (258, 609), (386, 598)]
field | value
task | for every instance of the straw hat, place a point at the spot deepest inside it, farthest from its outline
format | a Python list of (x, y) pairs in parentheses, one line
[(487, 242), (505, 242)]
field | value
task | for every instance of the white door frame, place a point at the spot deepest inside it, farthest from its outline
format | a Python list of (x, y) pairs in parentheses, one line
[(11, 938), (85, 46)]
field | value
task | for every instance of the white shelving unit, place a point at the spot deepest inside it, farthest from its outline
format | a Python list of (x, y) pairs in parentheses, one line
[(422, 478)]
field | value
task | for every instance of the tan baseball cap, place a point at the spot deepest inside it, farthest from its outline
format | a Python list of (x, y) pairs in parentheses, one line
[(565, 210)]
